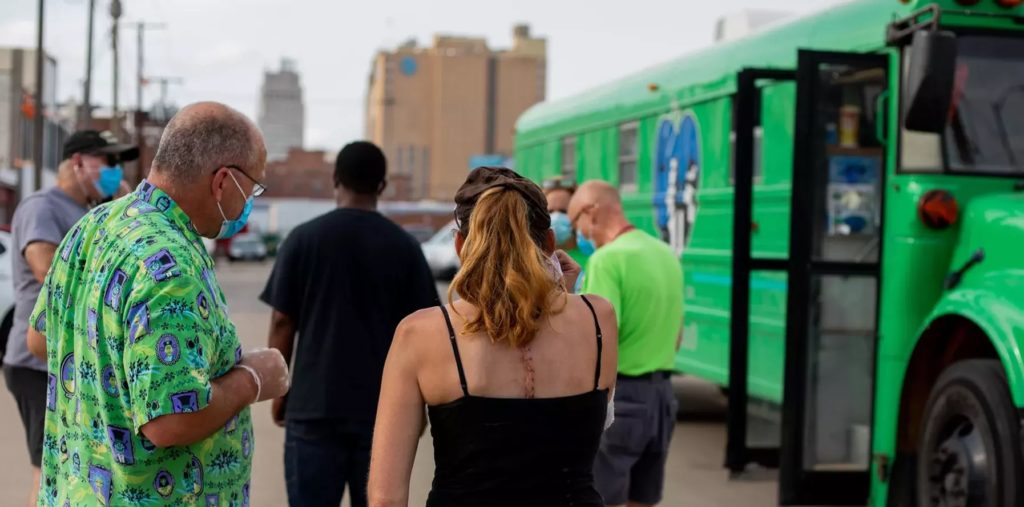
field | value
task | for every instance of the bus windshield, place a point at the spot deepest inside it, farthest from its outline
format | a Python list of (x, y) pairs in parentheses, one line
[(986, 126)]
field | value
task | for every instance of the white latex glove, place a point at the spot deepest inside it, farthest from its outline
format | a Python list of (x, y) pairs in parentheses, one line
[(570, 269), (272, 370)]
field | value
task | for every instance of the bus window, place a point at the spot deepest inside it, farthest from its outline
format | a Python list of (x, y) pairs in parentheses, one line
[(758, 136), (627, 156), (569, 157), (986, 122), (851, 158), (841, 345)]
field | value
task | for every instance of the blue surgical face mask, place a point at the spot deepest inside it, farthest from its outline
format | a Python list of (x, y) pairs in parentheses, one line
[(229, 228), (109, 180), (562, 227), (585, 244)]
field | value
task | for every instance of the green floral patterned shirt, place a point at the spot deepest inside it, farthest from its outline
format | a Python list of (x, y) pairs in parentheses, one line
[(136, 327)]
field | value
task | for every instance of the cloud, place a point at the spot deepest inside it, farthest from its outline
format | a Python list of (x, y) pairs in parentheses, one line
[(18, 32), (225, 53)]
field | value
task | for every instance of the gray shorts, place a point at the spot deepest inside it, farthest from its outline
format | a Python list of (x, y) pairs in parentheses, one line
[(630, 464), (29, 389)]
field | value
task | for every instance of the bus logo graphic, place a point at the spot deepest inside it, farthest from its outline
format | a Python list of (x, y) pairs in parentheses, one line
[(677, 161)]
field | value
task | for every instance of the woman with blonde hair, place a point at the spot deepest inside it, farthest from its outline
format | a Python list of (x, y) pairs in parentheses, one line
[(516, 375)]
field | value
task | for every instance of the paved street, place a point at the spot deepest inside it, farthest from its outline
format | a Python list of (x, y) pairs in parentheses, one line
[(695, 476)]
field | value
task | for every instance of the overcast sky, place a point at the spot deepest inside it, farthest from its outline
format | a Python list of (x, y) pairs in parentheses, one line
[(221, 47)]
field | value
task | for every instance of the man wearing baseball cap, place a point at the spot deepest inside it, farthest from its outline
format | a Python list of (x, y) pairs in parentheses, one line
[(89, 173)]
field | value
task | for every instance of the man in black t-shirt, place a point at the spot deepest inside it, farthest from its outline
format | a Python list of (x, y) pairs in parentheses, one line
[(342, 282)]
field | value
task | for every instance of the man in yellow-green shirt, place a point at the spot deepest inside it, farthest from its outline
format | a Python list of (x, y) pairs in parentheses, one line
[(642, 278)]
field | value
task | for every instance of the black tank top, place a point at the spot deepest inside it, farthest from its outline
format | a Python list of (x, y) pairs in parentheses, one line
[(517, 451)]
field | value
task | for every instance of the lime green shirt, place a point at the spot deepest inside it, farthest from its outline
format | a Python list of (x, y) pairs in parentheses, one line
[(643, 279), (136, 327), (578, 256)]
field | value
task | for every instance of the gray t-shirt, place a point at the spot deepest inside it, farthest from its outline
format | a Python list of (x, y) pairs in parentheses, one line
[(46, 215)]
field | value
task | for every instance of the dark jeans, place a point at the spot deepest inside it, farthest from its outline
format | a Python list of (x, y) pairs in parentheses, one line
[(321, 457)]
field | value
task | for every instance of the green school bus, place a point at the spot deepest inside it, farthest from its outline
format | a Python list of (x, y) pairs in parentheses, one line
[(846, 195)]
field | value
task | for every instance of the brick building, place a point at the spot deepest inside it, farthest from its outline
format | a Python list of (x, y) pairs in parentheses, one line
[(433, 109), (301, 173), (310, 174)]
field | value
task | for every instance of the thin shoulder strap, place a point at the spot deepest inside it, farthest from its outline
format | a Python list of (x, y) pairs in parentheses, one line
[(455, 349), (600, 342)]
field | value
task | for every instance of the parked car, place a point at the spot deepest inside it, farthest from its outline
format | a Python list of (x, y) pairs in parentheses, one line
[(422, 233), (273, 241), (440, 253), (6, 290), (247, 247)]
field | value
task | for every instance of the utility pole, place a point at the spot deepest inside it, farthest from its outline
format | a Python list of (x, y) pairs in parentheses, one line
[(140, 81), (140, 28), (86, 115), (160, 113), (37, 135), (164, 82), (115, 116)]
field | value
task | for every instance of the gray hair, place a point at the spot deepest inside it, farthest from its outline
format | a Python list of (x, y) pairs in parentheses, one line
[(205, 136)]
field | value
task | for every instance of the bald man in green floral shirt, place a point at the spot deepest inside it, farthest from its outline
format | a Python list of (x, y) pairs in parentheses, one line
[(148, 388)]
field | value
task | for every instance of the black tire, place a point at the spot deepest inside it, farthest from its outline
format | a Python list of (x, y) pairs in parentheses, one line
[(970, 413)]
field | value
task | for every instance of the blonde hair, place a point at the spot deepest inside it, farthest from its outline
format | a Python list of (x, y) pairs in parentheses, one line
[(504, 271)]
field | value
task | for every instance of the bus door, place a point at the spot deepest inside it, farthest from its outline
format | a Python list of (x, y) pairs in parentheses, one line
[(754, 418), (833, 277)]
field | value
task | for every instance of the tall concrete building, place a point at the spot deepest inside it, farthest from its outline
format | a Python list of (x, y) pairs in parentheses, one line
[(434, 109), (282, 115)]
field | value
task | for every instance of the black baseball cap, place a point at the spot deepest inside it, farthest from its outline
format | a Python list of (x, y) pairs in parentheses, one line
[(91, 142)]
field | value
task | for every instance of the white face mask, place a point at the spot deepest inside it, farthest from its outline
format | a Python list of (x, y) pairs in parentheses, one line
[(555, 268)]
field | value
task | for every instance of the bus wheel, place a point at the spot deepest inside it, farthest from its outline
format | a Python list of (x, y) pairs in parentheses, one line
[(970, 449)]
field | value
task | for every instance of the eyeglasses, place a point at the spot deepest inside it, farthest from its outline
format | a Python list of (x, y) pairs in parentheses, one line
[(586, 209), (560, 184), (257, 189)]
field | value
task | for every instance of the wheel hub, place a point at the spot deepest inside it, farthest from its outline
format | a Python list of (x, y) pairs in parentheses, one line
[(959, 469)]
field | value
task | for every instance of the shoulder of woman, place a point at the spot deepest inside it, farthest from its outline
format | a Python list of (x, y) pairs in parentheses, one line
[(601, 305), (419, 323)]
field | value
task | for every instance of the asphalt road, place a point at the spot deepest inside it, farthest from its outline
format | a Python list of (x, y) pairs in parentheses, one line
[(695, 476)]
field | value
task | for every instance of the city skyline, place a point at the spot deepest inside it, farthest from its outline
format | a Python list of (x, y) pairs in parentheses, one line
[(588, 45)]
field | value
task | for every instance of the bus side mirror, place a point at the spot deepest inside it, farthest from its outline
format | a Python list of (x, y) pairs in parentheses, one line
[(930, 80)]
